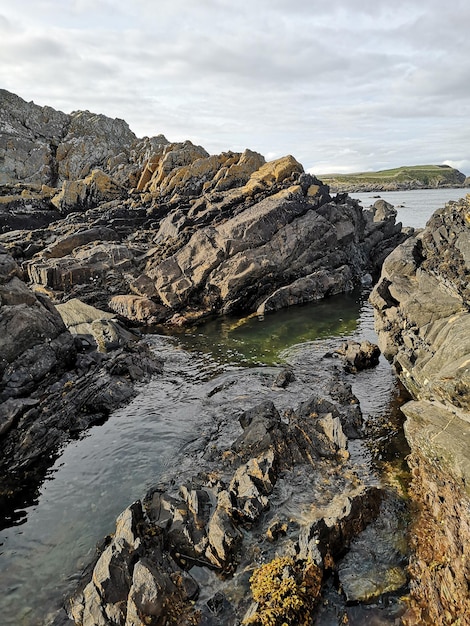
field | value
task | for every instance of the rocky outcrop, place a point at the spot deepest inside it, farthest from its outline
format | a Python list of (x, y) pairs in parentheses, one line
[(277, 240), (192, 233), (423, 321), (275, 497), (56, 382), (41, 145)]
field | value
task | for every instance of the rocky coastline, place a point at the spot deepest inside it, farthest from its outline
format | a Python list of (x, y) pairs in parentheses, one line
[(399, 179), (423, 323), (102, 234), (144, 231)]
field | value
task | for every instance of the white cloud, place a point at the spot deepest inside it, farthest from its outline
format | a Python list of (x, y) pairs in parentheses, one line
[(347, 85)]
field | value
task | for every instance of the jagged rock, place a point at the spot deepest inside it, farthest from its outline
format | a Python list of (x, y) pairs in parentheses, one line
[(439, 532), (422, 318), (39, 144), (138, 309), (88, 192), (199, 233), (358, 356), (91, 141), (421, 310), (190, 171), (212, 520), (29, 136), (26, 321), (65, 245), (273, 172), (247, 257)]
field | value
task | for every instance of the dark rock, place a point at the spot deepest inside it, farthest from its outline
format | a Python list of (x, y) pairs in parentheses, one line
[(219, 521), (359, 356)]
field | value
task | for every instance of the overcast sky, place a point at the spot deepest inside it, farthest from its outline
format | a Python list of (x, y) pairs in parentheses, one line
[(343, 85)]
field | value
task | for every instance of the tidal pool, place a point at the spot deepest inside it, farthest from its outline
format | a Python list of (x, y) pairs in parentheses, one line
[(111, 465)]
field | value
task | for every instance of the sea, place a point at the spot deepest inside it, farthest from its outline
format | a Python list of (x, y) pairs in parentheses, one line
[(414, 207)]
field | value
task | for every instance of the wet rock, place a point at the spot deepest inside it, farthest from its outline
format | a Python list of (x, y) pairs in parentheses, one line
[(376, 561), (223, 518), (421, 312), (284, 378), (52, 385), (359, 356)]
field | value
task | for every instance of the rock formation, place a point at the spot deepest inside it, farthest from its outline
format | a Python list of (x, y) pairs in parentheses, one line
[(423, 322), (54, 384), (268, 493), (100, 229)]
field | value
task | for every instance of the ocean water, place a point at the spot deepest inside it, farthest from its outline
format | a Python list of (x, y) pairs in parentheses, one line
[(414, 207)]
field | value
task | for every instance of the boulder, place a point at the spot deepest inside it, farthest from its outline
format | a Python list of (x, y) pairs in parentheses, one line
[(100, 326), (138, 309), (358, 356)]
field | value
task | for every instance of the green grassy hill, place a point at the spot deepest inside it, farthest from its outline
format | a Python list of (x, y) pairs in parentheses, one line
[(407, 177)]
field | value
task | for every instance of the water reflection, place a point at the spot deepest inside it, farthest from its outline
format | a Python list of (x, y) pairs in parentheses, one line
[(262, 341)]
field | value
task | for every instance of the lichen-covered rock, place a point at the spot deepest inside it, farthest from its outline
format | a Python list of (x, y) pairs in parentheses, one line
[(87, 192), (91, 141)]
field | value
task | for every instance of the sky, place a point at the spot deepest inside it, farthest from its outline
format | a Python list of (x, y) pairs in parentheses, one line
[(342, 85)]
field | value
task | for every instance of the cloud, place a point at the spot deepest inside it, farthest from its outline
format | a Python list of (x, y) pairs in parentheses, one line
[(348, 84)]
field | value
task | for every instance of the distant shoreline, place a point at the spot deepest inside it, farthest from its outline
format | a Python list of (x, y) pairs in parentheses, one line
[(399, 179), (335, 188)]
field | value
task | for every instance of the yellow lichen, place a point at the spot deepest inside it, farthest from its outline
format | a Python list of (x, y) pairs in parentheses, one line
[(285, 591)]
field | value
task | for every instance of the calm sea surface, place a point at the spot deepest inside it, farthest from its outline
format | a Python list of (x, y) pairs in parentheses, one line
[(99, 475), (414, 207)]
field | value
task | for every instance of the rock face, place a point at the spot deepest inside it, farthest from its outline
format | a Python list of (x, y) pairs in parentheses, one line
[(191, 233), (423, 321)]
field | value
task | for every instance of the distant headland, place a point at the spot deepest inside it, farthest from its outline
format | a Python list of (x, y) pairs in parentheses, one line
[(398, 179)]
